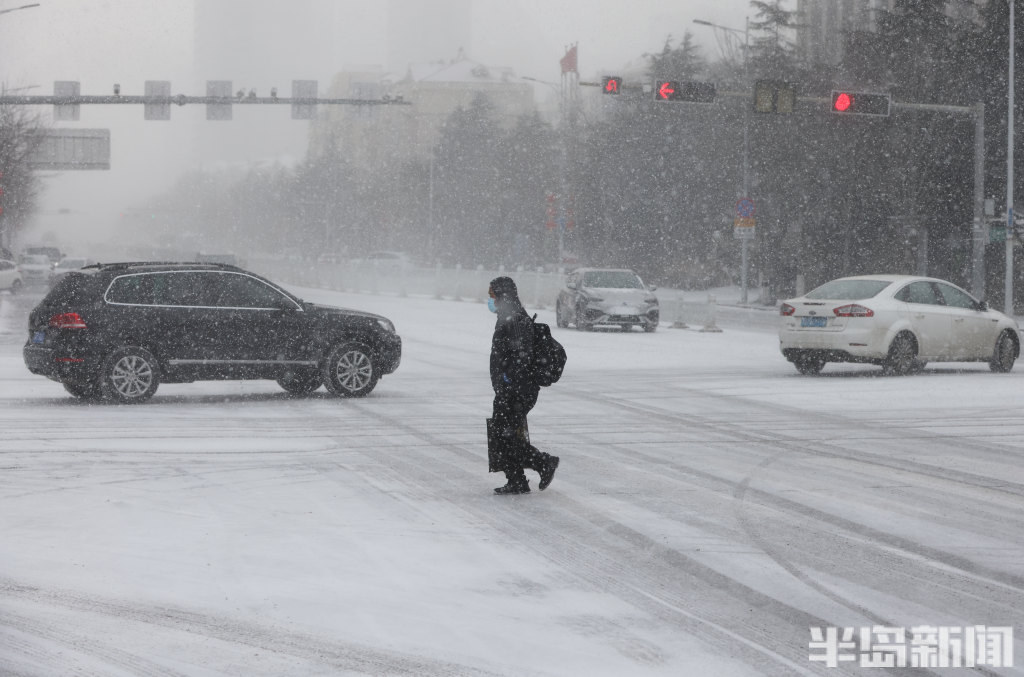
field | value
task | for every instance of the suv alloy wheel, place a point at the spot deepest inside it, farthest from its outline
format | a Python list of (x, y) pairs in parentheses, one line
[(129, 375), (349, 370)]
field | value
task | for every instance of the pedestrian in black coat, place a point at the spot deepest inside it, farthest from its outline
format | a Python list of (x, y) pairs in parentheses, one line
[(515, 392)]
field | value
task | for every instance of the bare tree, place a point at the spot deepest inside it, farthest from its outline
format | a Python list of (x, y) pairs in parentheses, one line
[(20, 134)]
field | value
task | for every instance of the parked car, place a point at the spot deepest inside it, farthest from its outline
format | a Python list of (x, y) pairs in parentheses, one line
[(36, 269), (615, 296), (67, 265), (900, 322), (50, 252), (116, 331), (10, 276)]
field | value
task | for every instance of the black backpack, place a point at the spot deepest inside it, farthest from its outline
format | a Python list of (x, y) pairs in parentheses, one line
[(548, 355)]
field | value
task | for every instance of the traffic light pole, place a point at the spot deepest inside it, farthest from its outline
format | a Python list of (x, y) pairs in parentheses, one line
[(744, 264), (744, 241), (181, 100), (1008, 278), (979, 229)]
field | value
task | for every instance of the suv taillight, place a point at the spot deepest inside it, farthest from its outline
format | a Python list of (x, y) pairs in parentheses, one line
[(853, 310), (67, 321), (786, 309)]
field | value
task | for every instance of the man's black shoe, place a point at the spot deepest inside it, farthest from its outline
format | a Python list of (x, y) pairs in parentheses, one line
[(548, 473), (513, 489)]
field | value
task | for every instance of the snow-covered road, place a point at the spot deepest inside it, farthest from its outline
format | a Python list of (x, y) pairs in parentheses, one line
[(711, 507)]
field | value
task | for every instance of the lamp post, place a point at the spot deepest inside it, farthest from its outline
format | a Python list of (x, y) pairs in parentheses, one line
[(564, 131), (1008, 281), (746, 138), (15, 9)]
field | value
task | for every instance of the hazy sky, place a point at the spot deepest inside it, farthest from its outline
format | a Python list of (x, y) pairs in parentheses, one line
[(102, 42)]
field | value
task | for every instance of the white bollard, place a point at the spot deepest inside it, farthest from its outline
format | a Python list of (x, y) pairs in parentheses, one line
[(709, 325), (536, 289), (679, 322), (373, 279)]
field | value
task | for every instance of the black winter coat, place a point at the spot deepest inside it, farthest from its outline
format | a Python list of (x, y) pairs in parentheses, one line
[(512, 350)]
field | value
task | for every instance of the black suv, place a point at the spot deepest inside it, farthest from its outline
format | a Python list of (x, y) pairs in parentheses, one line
[(116, 331)]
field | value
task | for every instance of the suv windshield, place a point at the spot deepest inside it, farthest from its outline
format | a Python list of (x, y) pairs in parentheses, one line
[(612, 279), (848, 290)]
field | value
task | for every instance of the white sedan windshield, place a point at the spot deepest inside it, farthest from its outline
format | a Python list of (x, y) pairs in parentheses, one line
[(848, 289)]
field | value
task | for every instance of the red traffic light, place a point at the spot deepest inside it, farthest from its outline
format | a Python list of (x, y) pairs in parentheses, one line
[(861, 103), (694, 92), (612, 85)]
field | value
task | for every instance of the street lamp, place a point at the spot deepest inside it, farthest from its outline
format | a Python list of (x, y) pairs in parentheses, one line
[(1008, 281), (746, 137), (564, 132), (15, 9)]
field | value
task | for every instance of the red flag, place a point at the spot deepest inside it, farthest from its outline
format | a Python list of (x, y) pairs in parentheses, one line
[(569, 61)]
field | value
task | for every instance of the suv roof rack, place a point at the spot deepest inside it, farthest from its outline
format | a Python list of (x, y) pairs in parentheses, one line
[(130, 264)]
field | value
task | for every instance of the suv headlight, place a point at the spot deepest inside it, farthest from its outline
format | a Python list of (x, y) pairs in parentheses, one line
[(652, 300), (387, 325)]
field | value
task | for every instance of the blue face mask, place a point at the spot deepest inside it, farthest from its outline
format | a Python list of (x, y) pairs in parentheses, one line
[(490, 305)]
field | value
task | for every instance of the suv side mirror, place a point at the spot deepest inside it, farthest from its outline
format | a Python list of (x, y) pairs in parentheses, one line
[(981, 306), (652, 287)]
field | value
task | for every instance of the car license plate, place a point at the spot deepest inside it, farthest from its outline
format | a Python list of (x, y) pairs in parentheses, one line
[(813, 321), (38, 336)]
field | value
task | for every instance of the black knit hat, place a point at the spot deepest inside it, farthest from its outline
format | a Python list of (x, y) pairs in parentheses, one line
[(504, 286)]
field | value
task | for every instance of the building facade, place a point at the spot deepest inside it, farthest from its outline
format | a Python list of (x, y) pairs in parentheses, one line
[(372, 136)]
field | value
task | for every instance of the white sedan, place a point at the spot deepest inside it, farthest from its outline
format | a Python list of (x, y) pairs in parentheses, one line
[(67, 265), (10, 276), (899, 322), (35, 269)]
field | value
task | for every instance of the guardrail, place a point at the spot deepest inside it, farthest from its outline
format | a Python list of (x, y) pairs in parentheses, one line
[(700, 315), (538, 289)]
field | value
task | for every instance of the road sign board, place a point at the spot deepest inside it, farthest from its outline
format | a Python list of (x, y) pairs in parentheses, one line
[(745, 208), (744, 223), (75, 149), (158, 111), (304, 89), (218, 111), (66, 112)]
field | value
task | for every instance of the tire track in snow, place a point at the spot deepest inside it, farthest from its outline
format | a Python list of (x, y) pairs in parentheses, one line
[(973, 583), (741, 490), (337, 655), (620, 561)]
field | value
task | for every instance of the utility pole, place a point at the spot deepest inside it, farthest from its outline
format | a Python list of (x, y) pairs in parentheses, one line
[(1008, 279), (744, 241)]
